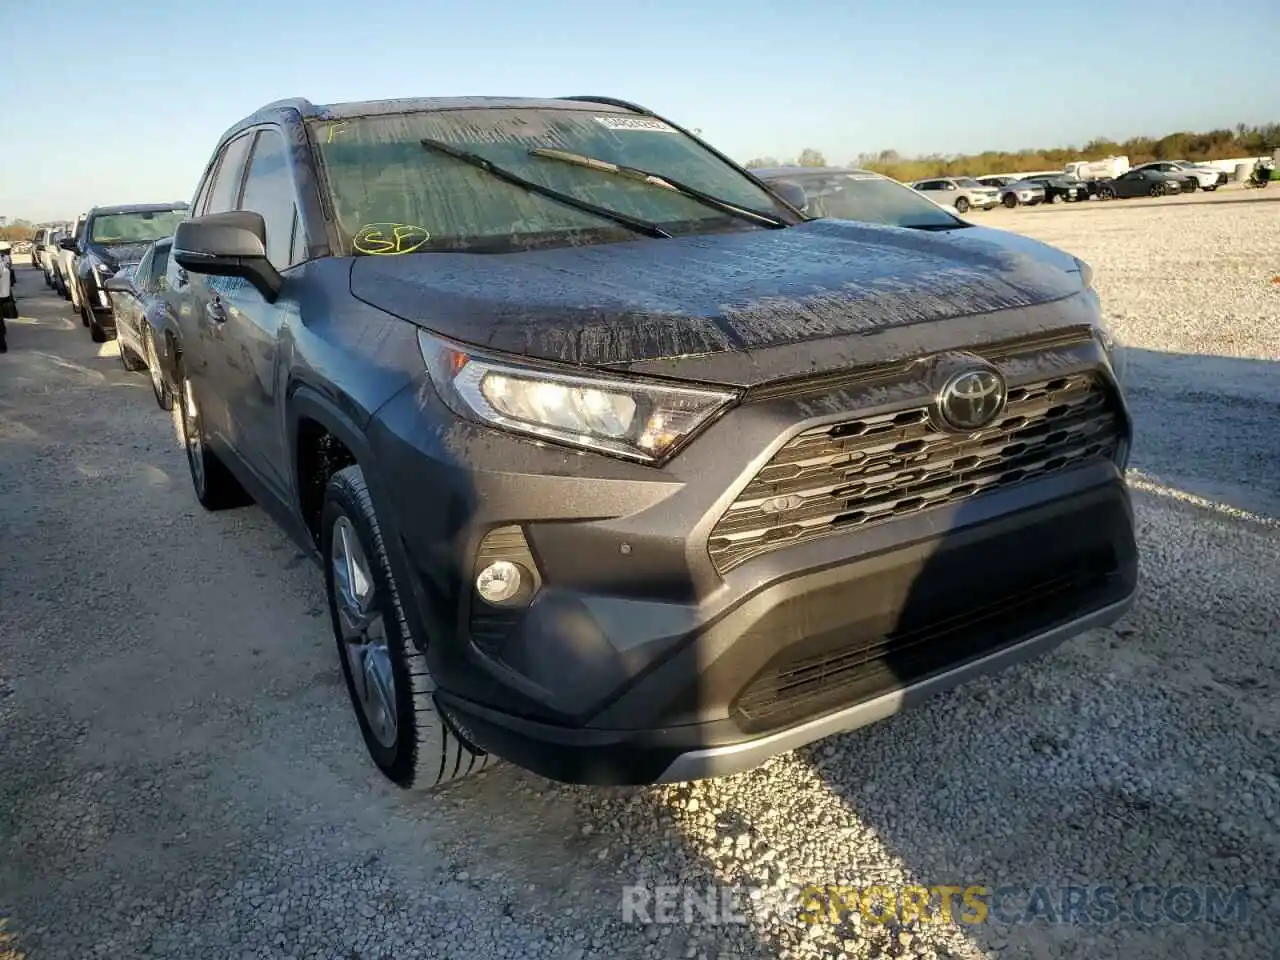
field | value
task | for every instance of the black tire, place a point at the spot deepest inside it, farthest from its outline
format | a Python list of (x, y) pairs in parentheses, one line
[(962, 205), (161, 388), (1210, 189), (97, 332), (1106, 193), (416, 749), (215, 486), (1055, 198), (130, 360), (1010, 200), (1157, 190)]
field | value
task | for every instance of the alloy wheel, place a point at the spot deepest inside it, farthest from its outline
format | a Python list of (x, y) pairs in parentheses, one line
[(363, 631)]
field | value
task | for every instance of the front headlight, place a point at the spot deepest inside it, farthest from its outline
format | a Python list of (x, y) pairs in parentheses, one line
[(103, 271), (639, 420)]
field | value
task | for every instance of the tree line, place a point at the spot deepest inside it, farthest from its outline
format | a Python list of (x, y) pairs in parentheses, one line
[(1243, 141)]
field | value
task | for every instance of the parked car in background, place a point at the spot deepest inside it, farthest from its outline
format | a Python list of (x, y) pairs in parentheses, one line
[(1140, 183), (618, 466), (854, 194), (39, 243), (1205, 178), (1015, 190), (114, 237), (65, 263), (959, 192), (1059, 188), (142, 324)]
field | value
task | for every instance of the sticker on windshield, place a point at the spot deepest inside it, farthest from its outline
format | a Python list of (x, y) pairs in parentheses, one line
[(389, 239), (648, 124)]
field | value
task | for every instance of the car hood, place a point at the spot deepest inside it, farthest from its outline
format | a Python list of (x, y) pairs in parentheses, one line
[(119, 254), (745, 293)]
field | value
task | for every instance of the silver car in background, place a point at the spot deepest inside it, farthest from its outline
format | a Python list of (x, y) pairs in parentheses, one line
[(962, 193), (1015, 190)]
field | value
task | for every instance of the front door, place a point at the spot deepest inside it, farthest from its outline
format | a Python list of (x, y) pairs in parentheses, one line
[(251, 326)]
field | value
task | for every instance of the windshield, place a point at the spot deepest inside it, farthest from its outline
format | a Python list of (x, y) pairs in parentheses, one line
[(140, 227), (870, 200), (392, 195), (967, 182)]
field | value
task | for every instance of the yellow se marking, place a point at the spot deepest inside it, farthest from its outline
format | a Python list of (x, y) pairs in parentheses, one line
[(388, 239)]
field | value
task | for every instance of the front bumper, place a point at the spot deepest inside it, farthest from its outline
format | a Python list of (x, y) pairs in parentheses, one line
[(641, 660)]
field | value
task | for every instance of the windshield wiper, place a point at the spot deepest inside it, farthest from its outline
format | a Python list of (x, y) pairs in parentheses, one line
[(475, 160), (662, 180)]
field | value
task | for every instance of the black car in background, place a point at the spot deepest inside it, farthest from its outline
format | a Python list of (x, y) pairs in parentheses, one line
[(138, 300), (113, 237), (619, 466), (1143, 183), (1059, 188)]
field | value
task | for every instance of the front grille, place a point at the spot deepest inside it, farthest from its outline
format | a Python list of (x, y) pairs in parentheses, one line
[(799, 687), (875, 468)]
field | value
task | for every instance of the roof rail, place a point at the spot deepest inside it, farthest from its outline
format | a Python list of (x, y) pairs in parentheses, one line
[(611, 101), (301, 104)]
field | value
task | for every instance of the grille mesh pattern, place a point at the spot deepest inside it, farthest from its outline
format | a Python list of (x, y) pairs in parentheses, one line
[(870, 469)]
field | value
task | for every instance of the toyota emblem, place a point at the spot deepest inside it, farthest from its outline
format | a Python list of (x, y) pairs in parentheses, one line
[(972, 398)]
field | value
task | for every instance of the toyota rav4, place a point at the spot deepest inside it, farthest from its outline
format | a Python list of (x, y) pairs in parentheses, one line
[(618, 465)]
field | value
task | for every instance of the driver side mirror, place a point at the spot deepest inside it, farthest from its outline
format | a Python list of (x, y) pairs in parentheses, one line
[(119, 284), (232, 244), (791, 192), (68, 243)]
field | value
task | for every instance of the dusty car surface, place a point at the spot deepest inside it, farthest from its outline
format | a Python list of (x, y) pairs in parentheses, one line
[(137, 295), (619, 466)]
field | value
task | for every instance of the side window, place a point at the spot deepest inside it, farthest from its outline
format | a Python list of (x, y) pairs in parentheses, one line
[(159, 269), (142, 272), (268, 190), (226, 179)]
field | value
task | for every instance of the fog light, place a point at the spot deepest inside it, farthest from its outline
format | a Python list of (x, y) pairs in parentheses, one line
[(498, 582)]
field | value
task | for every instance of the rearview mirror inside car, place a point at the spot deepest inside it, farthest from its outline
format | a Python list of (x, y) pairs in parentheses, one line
[(792, 192), (232, 244)]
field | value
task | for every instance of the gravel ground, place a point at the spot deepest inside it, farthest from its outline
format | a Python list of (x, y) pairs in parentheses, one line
[(180, 775)]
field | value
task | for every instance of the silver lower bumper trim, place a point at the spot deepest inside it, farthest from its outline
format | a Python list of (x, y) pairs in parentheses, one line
[(735, 758)]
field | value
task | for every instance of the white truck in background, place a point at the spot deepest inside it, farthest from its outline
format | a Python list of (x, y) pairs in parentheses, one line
[(1104, 169)]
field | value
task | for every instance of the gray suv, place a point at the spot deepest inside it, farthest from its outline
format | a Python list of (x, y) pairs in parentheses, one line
[(617, 464)]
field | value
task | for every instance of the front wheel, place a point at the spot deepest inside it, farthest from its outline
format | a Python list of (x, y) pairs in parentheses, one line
[(1010, 200), (386, 674), (160, 387), (1106, 193), (962, 205), (1157, 190)]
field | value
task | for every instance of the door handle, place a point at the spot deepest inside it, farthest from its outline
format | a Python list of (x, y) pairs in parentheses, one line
[(216, 310)]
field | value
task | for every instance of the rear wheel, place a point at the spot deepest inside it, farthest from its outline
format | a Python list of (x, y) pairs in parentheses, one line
[(130, 360), (1106, 193), (962, 205), (386, 674), (1010, 200), (216, 488)]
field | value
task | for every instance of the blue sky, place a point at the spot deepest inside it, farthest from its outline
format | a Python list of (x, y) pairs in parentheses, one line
[(113, 102)]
